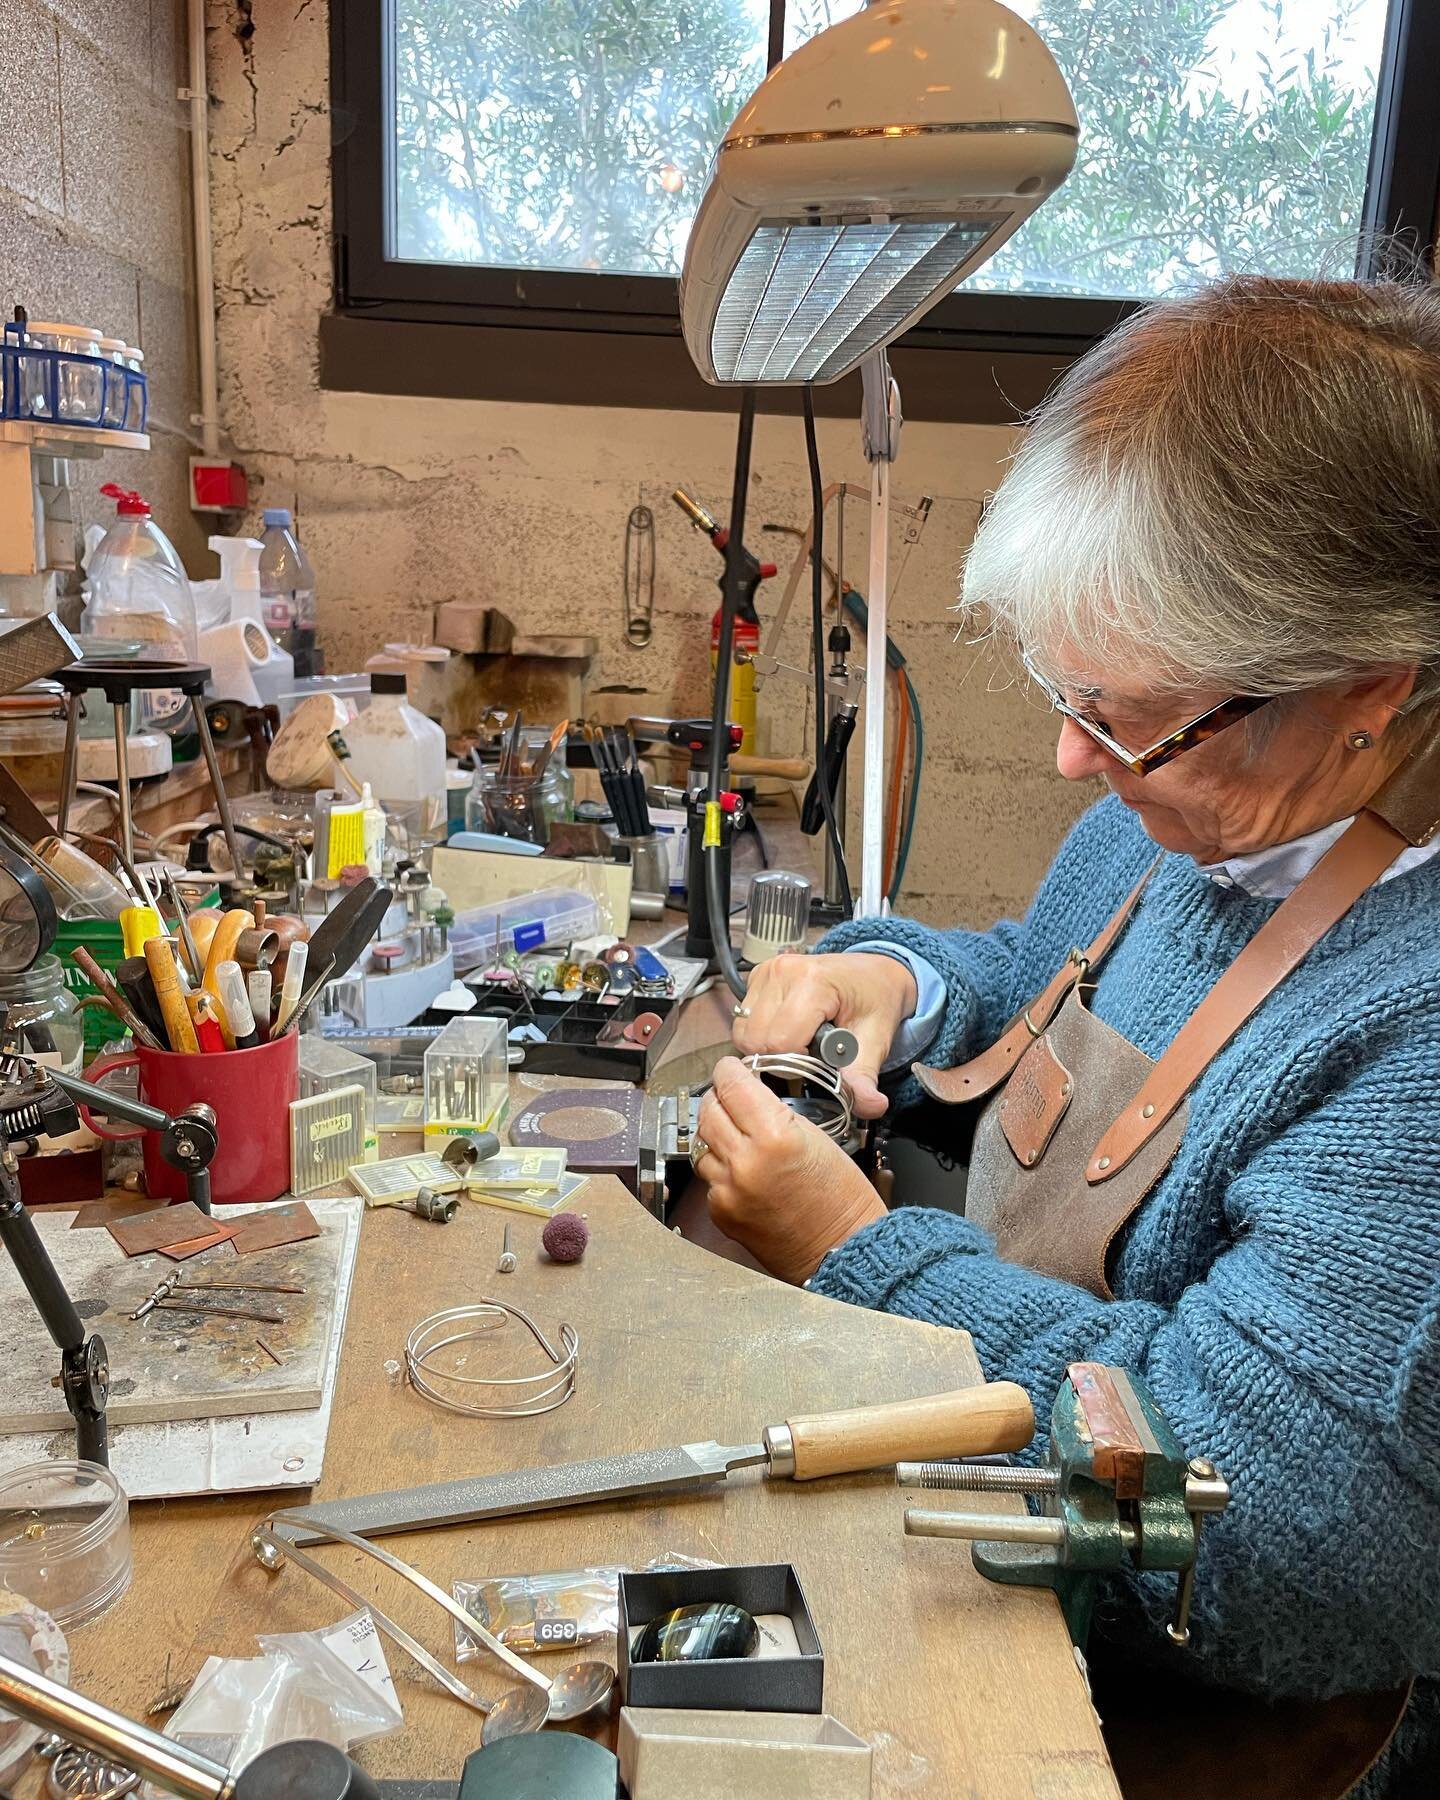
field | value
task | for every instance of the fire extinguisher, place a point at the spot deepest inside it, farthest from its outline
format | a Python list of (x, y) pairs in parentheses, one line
[(747, 621)]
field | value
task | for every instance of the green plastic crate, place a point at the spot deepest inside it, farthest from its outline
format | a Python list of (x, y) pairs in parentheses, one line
[(105, 942)]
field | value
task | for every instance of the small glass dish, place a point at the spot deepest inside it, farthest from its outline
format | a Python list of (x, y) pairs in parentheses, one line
[(65, 1538)]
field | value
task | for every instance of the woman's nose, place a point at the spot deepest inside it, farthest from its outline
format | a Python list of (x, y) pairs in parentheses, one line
[(1078, 757)]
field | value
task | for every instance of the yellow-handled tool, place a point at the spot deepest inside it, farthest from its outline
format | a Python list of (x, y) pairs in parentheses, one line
[(975, 1421)]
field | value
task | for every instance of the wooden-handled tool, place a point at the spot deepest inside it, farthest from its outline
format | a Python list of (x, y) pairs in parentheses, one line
[(179, 1027), (779, 768), (976, 1421)]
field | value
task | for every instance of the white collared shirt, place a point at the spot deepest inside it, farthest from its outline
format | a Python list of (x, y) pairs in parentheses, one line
[(1275, 872)]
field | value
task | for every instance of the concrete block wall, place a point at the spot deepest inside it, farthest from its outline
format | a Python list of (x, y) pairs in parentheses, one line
[(95, 212)]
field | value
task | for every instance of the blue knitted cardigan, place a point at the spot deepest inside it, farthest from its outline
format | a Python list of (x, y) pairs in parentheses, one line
[(1279, 1289)]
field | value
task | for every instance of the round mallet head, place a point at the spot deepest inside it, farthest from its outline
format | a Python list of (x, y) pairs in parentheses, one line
[(565, 1237)]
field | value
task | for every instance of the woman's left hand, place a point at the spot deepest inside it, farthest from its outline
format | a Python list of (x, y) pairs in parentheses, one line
[(777, 1184)]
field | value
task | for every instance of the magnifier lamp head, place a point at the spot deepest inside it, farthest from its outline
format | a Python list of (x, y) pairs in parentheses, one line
[(871, 171)]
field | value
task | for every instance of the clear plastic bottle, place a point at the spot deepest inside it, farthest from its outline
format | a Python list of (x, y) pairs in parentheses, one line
[(287, 582), (400, 754), (138, 588)]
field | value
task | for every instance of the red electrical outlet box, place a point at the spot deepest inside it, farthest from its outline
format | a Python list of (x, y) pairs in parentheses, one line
[(217, 486)]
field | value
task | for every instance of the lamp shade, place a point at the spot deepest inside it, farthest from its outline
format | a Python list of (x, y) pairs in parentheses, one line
[(868, 174)]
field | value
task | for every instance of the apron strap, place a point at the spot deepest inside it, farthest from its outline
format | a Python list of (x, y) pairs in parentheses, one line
[(1326, 894), (1410, 799), (984, 1073)]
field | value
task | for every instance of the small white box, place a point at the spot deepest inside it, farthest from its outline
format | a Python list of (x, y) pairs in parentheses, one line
[(665, 1751)]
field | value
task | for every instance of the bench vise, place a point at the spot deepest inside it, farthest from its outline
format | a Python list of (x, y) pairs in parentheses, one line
[(1117, 1489)]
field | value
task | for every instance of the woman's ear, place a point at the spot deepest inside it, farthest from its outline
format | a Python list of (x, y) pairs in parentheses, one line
[(1371, 706)]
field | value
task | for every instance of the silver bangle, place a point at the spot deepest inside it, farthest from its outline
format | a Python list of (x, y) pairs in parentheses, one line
[(512, 1396), (809, 1071)]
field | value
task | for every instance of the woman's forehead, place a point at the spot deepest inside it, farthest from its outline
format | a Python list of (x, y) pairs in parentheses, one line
[(1121, 675)]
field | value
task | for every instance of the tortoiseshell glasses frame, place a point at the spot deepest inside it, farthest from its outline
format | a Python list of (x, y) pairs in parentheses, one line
[(1199, 730)]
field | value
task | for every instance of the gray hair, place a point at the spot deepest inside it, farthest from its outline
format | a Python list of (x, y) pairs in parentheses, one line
[(1235, 491)]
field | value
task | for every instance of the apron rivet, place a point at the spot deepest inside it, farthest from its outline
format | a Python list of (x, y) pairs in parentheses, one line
[(1029, 1156), (1104, 1163), (1147, 1112), (1065, 1091)]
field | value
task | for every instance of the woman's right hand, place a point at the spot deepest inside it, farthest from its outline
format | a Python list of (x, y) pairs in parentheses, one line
[(791, 996)]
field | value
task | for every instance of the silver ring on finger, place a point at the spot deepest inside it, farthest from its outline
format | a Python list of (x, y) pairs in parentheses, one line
[(740, 1010), (698, 1148)]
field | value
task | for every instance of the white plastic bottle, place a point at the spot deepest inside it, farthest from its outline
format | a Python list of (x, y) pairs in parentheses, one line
[(138, 588), (240, 583), (287, 582), (400, 755)]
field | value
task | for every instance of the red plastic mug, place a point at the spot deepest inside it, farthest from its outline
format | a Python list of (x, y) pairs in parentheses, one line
[(250, 1091)]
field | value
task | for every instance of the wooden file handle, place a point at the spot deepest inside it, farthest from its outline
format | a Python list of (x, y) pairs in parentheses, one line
[(974, 1421), (782, 768)]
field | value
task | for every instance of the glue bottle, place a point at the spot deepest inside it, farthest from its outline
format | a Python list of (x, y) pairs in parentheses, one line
[(374, 830)]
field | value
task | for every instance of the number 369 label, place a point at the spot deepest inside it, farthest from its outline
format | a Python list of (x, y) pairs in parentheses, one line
[(556, 1631)]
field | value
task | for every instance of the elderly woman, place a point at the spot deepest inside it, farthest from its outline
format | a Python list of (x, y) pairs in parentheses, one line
[(1209, 1055)]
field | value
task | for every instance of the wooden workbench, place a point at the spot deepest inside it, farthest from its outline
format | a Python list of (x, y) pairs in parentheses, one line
[(963, 1688)]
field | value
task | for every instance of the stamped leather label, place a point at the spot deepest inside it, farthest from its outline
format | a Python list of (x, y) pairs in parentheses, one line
[(1036, 1098)]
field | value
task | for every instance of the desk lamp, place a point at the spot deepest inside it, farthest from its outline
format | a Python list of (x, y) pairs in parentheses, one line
[(871, 171)]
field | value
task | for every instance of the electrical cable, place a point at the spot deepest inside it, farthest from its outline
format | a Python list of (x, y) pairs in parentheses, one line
[(912, 799), (817, 632), (854, 603), (715, 897), (897, 780)]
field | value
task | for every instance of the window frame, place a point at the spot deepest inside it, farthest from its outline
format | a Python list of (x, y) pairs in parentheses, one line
[(372, 339)]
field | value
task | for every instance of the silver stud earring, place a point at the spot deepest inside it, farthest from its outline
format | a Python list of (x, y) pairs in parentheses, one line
[(1360, 740)]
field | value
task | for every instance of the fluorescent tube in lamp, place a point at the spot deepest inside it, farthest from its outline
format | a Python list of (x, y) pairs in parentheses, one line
[(871, 171)]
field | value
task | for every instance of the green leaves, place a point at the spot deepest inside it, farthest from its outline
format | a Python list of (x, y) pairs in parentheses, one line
[(1216, 134)]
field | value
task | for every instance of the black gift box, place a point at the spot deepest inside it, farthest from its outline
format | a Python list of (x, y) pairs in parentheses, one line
[(784, 1683)]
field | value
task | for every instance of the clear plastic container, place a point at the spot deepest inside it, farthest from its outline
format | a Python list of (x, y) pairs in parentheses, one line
[(287, 582), (353, 691), (138, 588), (401, 754), (325, 1066), (136, 400), (527, 921), (113, 351), (65, 1538), (467, 1081), (75, 388)]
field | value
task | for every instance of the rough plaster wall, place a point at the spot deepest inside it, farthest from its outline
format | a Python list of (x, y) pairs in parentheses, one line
[(407, 503), (95, 212)]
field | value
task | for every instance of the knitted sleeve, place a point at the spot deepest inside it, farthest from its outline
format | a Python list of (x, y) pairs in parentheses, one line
[(990, 975), (1305, 1364)]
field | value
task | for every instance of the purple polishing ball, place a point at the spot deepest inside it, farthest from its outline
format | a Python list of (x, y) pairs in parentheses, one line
[(565, 1237)]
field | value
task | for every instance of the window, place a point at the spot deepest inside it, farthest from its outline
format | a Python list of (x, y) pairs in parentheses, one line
[(538, 162)]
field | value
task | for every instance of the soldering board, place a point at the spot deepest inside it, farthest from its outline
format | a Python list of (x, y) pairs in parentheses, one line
[(171, 1366)]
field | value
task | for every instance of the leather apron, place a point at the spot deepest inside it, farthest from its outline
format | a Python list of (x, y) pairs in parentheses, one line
[(1080, 1126)]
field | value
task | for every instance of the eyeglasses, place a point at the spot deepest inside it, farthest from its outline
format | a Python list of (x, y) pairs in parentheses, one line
[(1199, 730)]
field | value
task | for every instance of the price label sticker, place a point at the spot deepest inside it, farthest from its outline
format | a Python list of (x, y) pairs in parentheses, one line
[(550, 1632)]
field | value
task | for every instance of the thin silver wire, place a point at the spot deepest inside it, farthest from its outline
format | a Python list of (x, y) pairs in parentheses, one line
[(536, 1394)]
